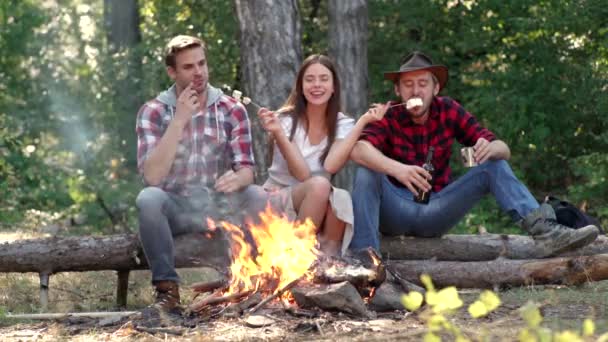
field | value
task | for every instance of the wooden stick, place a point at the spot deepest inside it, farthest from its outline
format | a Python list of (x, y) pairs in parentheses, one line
[(207, 286), (44, 316), (275, 295), (215, 298)]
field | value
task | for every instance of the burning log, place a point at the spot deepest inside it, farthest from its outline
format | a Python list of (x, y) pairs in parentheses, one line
[(475, 247), (505, 272), (363, 270)]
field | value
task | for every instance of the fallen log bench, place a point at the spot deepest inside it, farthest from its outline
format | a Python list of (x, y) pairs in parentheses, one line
[(492, 260), (121, 253), (478, 261)]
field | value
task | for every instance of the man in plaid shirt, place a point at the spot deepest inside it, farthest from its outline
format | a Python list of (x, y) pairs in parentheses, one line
[(391, 152), (195, 156)]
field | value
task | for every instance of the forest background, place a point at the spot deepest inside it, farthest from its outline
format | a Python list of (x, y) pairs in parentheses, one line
[(73, 74)]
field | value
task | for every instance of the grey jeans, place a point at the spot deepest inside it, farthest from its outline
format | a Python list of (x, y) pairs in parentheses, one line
[(163, 215)]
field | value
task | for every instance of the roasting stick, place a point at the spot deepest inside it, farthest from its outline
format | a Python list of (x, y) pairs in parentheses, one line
[(411, 103)]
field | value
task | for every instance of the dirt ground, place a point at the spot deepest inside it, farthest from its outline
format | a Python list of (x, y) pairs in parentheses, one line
[(562, 308)]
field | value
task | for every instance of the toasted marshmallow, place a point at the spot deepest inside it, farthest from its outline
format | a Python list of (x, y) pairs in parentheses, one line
[(413, 102), (246, 100), (237, 95)]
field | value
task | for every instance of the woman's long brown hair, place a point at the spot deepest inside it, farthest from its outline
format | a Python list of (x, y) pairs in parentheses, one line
[(295, 106)]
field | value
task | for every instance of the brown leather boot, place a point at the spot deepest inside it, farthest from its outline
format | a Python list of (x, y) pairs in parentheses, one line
[(167, 295)]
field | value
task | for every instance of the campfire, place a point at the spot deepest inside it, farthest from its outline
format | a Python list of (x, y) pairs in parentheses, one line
[(281, 265)]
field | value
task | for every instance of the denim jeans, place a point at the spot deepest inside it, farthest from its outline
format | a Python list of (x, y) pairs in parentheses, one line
[(163, 215), (382, 207)]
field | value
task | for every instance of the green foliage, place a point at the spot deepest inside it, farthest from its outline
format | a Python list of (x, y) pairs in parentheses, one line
[(533, 72), (73, 98)]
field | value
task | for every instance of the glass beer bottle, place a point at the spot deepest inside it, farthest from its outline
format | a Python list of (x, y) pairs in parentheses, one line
[(424, 196)]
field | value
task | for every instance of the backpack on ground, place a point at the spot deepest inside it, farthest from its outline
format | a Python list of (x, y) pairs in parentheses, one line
[(570, 215)]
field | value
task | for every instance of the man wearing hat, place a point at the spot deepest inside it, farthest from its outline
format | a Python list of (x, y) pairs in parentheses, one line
[(391, 151)]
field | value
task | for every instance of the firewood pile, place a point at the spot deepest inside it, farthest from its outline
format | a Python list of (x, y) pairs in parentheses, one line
[(356, 285)]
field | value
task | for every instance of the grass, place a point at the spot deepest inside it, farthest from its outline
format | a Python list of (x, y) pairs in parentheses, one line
[(563, 307), (85, 291)]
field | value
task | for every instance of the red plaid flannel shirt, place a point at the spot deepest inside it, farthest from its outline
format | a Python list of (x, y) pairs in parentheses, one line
[(204, 151), (399, 138)]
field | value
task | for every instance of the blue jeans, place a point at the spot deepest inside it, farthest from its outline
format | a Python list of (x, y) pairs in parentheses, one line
[(382, 207), (163, 215)]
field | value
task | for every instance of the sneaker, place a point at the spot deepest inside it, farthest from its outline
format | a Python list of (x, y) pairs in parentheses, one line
[(167, 296), (554, 238)]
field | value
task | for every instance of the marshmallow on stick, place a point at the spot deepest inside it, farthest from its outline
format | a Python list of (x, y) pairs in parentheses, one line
[(413, 102), (237, 94)]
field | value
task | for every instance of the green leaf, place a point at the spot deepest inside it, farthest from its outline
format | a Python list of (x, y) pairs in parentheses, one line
[(412, 301), (525, 335), (490, 300), (531, 315), (428, 283), (430, 337), (478, 309), (588, 327), (567, 336)]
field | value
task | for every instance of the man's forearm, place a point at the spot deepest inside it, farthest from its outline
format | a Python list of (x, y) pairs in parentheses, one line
[(503, 151), (367, 155), (159, 162), (245, 177)]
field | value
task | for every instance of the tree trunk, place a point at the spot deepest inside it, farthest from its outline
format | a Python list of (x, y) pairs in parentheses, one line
[(115, 252), (348, 47), (504, 272), (270, 42), (475, 248), (123, 35), (122, 23)]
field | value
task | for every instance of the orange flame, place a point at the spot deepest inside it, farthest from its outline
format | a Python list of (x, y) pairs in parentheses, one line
[(285, 252)]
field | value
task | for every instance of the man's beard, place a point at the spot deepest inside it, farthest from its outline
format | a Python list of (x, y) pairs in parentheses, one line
[(419, 114)]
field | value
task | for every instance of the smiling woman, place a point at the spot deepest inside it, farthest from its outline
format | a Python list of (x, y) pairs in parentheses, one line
[(311, 141)]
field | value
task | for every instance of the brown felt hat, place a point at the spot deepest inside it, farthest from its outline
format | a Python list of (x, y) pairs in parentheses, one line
[(419, 61)]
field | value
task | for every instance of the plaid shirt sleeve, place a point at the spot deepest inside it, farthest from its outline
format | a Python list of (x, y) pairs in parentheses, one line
[(240, 140), (377, 133), (469, 130), (149, 131)]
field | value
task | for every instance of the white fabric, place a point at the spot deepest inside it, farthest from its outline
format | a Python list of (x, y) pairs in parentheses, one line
[(341, 203), (278, 173)]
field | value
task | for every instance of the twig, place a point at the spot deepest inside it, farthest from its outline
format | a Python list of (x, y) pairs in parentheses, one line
[(209, 285), (71, 314), (176, 332), (105, 208), (275, 295), (319, 327), (216, 299)]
